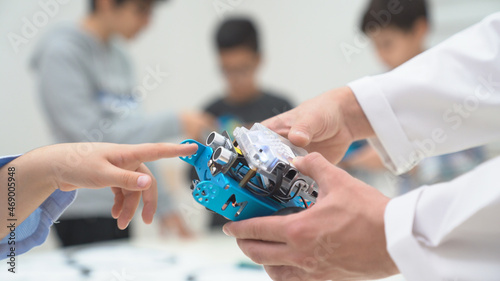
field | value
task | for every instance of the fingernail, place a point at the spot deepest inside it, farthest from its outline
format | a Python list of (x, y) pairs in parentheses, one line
[(142, 181), (189, 145), (226, 231), (124, 227), (302, 135)]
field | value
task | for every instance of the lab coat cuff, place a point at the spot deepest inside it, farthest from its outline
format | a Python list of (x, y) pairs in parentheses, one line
[(392, 144), (404, 249)]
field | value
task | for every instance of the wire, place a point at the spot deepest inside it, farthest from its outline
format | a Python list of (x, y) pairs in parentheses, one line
[(305, 203)]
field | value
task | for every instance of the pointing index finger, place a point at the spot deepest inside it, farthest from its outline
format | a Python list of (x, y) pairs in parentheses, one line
[(155, 151)]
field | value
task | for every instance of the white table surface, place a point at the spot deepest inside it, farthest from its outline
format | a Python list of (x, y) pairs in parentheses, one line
[(211, 258)]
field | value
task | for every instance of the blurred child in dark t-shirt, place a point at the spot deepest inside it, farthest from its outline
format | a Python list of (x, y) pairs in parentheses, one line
[(243, 101)]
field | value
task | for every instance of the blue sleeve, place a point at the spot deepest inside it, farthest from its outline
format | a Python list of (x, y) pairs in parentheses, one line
[(34, 230)]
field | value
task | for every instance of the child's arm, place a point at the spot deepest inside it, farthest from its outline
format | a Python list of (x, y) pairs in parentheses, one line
[(67, 167)]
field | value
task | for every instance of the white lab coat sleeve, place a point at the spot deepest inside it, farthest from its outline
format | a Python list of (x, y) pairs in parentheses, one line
[(444, 100), (448, 231)]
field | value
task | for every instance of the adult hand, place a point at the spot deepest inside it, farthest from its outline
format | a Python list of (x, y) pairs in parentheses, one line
[(340, 238), (327, 124), (99, 165)]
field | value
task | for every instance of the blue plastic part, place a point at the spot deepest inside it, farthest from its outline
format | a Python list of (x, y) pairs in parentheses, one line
[(223, 195)]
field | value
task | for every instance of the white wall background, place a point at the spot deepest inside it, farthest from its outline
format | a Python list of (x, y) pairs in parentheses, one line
[(301, 41)]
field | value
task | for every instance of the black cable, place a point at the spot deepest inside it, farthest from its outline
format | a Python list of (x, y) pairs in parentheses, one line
[(288, 198), (279, 181)]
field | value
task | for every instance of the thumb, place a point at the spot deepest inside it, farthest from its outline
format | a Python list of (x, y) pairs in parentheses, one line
[(130, 180), (303, 129), (279, 124), (316, 166)]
